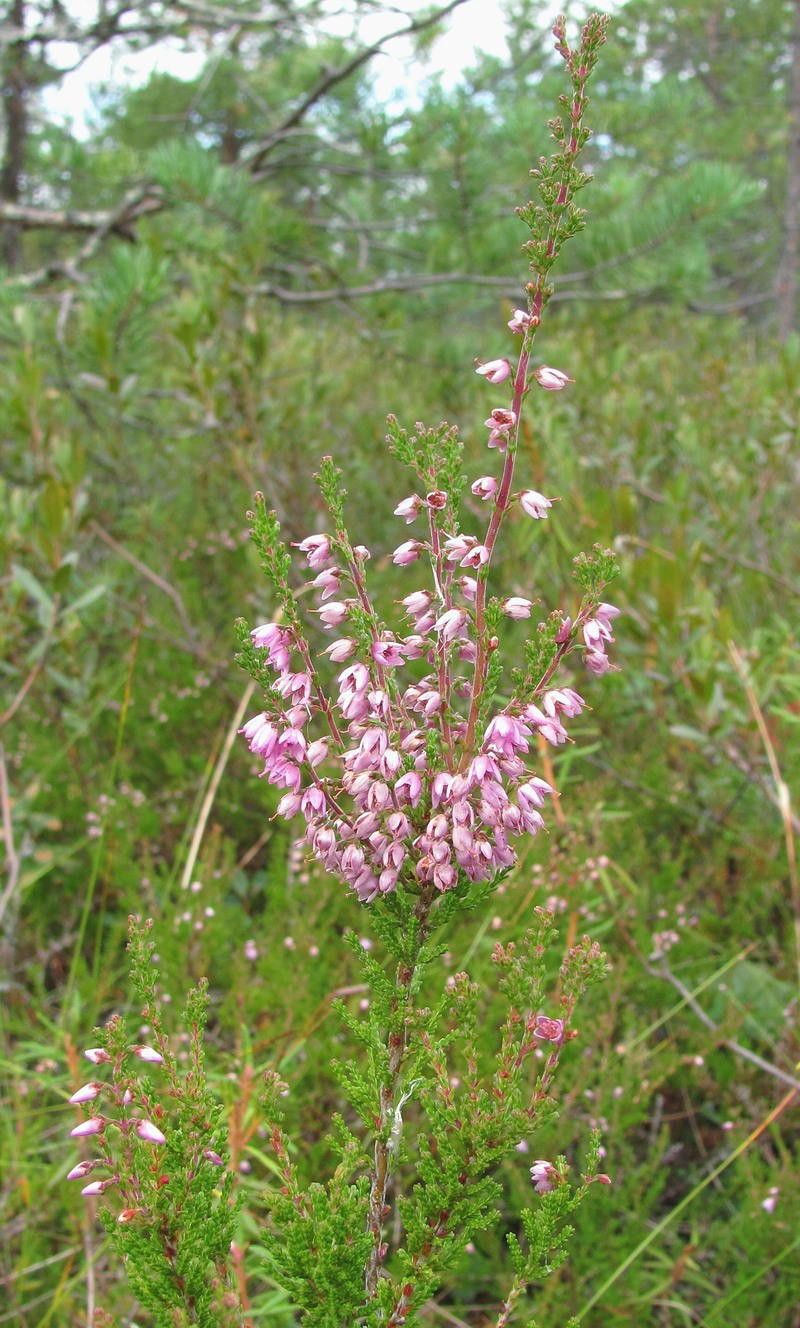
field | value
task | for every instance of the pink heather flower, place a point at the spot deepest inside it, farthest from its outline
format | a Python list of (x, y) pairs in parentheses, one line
[(436, 499), (494, 371), (362, 553), (128, 1215), (409, 788), (520, 320), (213, 1158), (516, 607), (484, 487), (83, 1168), (564, 630), (771, 1200), (418, 602), (98, 1055), (553, 380), (457, 546), (549, 1030), (409, 508), (563, 701), (317, 752), (341, 649), (406, 553), (597, 662), (87, 1094), (388, 653), (500, 422), (334, 614), (149, 1132), (327, 581), (317, 549), (469, 587), (148, 1054), (97, 1186), (250, 951), (544, 1177), (450, 623), (478, 555), (94, 1125), (535, 504), (604, 613)]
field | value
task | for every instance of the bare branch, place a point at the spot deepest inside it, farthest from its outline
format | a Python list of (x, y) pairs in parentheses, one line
[(253, 158)]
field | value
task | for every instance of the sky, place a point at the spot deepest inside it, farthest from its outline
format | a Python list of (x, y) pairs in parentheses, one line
[(477, 25)]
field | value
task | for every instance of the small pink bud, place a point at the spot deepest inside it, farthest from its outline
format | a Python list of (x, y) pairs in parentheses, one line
[(97, 1055), (149, 1132), (213, 1158), (553, 380), (406, 553), (409, 508), (83, 1169), (148, 1054), (485, 487), (516, 607), (535, 504), (87, 1094), (94, 1125), (97, 1186), (563, 632), (494, 371), (127, 1215)]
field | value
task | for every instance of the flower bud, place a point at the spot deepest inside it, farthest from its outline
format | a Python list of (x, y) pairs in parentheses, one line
[(87, 1094), (94, 1125), (552, 380), (97, 1055), (149, 1132), (148, 1054)]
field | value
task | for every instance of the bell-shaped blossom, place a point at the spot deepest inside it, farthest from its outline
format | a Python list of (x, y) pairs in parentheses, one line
[(494, 371), (317, 549), (597, 662), (457, 546), (334, 613), (553, 380), (407, 553), (149, 1132), (327, 581), (500, 423), (436, 500), (535, 504), (387, 653), (485, 487), (408, 788), (516, 607), (520, 320), (545, 1177), (450, 624), (409, 508), (340, 650), (477, 556)]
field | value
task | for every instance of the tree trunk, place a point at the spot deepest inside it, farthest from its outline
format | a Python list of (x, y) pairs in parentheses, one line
[(786, 287), (14, 94)]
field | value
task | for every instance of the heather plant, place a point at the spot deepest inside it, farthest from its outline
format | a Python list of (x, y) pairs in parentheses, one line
[(415, 771)]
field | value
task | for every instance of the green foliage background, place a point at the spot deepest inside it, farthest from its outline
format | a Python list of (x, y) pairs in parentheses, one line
[(141, 408)]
